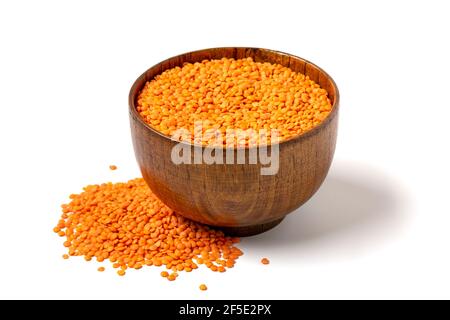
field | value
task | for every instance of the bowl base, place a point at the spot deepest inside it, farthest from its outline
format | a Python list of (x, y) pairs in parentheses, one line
[(248, 231)]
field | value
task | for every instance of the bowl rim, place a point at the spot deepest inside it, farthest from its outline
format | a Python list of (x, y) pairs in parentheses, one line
[(309, 133)]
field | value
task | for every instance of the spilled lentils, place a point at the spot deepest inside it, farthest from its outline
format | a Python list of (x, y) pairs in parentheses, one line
[(126, 224)]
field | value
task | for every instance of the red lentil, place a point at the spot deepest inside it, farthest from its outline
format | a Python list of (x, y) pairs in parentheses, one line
[(126, 224), (233, 94)]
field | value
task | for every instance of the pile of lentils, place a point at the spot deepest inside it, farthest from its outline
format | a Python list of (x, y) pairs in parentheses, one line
[(233, 94)]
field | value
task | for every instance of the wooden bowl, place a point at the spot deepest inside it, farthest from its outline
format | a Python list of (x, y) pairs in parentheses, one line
[(236, 197)]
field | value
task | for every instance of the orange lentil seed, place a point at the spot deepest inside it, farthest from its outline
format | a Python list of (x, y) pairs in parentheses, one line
[(172, 277), (265, 261), (113, 167), (203, 287), (101, 269), (65, 256)]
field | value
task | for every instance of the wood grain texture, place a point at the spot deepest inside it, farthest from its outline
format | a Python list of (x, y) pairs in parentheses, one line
[(235, 196)]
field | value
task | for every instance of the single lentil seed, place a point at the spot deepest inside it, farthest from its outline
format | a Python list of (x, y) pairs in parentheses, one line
[(265, 261), (171, 277)]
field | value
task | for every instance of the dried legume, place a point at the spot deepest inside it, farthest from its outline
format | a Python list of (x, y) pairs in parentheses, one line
[(233, 94), (126, 224)]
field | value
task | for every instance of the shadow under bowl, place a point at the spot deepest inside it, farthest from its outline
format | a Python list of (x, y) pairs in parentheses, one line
[(236, 197)]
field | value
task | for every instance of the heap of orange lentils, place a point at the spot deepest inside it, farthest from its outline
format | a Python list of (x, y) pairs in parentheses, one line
[(126, 224), (232, 94)]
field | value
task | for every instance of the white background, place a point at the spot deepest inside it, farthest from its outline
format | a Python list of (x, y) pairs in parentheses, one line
[(378, 228)]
